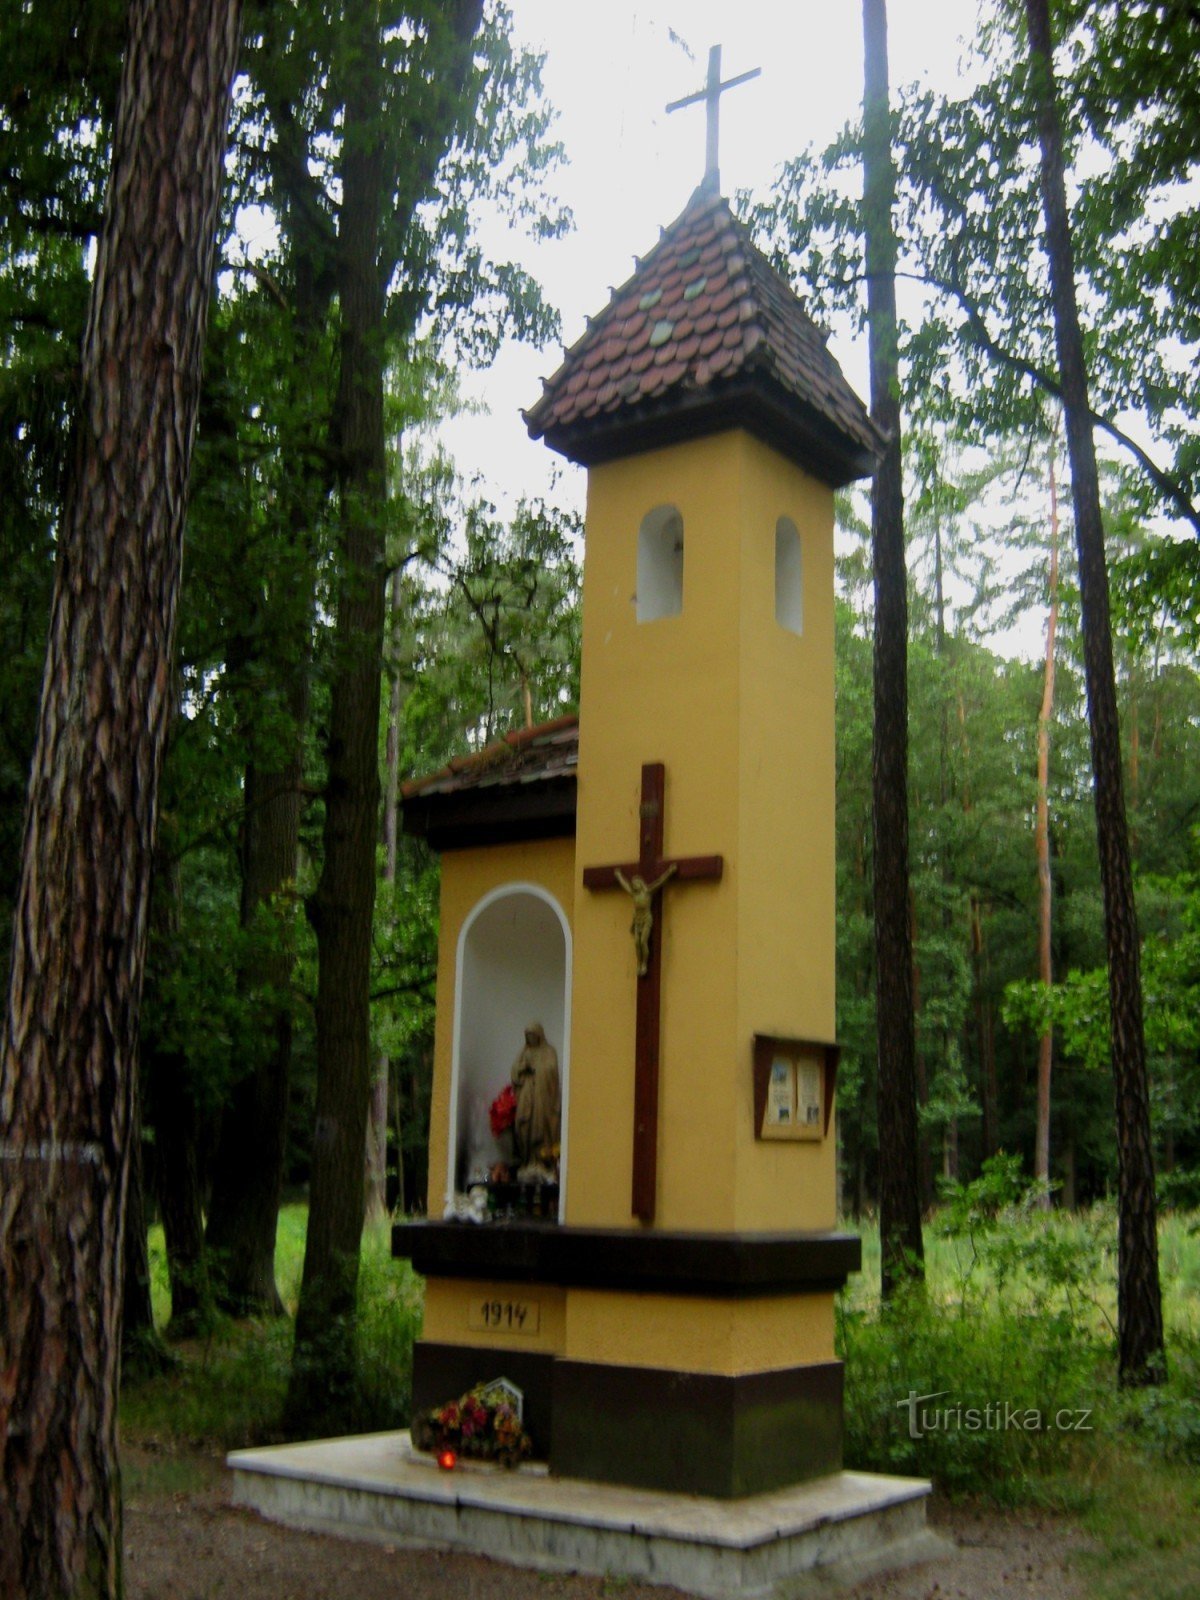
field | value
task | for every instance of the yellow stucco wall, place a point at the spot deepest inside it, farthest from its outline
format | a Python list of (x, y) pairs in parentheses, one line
[(687, 1333), (467, 876), (451, 1314), (740, 711), (691, 1333)]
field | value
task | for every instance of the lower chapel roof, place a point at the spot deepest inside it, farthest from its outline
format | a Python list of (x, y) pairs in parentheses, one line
[(520, 787)]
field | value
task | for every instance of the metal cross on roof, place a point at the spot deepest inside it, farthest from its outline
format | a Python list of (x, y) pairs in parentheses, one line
[(711, 95)]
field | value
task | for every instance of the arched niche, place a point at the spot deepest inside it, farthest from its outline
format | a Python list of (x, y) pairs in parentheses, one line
[(789, 584), (514, 968), (660, 565)]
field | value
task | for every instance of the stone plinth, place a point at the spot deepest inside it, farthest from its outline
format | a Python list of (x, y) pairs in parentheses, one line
[(374, 1487)]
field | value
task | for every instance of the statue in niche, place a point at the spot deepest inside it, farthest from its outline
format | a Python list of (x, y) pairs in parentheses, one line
[(642, 893), (537, 1127)]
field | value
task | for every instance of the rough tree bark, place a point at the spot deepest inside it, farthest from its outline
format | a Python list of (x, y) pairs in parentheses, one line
[(1041, 1150), (69, 1053), (1141, 1356), (901, 1250), (985, 1034), (252, 1138), (143, 1352)]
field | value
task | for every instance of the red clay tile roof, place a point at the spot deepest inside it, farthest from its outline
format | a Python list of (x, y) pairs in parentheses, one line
[(523, 756), (705, 335), (520, 787)]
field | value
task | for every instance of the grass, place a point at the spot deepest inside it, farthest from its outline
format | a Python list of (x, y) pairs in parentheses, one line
[(1018, 1308), (228, 1388)]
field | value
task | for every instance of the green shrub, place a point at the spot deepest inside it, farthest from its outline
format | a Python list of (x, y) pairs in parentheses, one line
[(994, 1375), (391, 1305), (1013, 1341)]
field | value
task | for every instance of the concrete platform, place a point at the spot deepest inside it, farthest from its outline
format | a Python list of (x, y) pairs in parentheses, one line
[(790, 1542)]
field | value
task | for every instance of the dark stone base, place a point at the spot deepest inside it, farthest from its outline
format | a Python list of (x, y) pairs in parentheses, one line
[(685, 1432), (697, 1433)]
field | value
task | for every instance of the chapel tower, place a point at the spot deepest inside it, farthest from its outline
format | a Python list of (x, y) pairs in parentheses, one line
[(673, 1327), (715, 427)]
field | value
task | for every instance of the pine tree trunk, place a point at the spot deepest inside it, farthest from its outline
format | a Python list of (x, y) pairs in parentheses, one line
[(176, 1124), (901, 1249), (1041, 1158), (143, 1352), (925, 1188), (398, 1195), (950, 1132), (1141, 1355), (985, 1034), (70, 1046), (377, 1120)]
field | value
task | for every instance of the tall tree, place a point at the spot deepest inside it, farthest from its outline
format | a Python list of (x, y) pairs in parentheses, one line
[(1041, 1144), (273, 652), (434, 274), (1139, 1302), (342, 906), (901, 1247), (67, 1072)]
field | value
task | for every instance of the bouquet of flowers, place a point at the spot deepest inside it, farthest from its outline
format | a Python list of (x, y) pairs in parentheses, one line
[(477, 1427), (503, 1112)]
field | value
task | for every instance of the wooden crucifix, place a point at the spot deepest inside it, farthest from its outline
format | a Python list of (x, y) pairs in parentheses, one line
[(644, 880)]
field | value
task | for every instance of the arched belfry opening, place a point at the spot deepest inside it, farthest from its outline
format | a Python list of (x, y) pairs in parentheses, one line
[(660, 565), (789, 576), (514, 970)]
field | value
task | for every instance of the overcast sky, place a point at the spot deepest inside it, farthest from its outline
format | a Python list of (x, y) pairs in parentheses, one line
[(610, 71)]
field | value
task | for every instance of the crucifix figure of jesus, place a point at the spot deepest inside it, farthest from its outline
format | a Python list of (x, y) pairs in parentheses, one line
[(711, 95), (642, 894), (644, 880)]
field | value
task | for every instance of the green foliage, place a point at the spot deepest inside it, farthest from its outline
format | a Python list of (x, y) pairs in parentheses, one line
[(1076, 1008), (227, 1389), (226, 1393), (967, 1396), (1003, 1366), (979, 352), (1156, 593), (986, 1379)]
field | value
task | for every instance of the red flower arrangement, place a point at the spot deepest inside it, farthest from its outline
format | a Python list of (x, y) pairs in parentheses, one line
[(475, 1427), (503, 1111)]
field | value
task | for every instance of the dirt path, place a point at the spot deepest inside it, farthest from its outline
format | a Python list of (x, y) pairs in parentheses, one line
[(184, 1541)]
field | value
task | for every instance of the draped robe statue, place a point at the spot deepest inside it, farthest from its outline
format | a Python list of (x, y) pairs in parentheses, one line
[(538, 1124)]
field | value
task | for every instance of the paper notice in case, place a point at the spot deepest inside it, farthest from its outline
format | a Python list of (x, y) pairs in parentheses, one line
[(793, 1087), (808, 1094), (781, 1094)]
